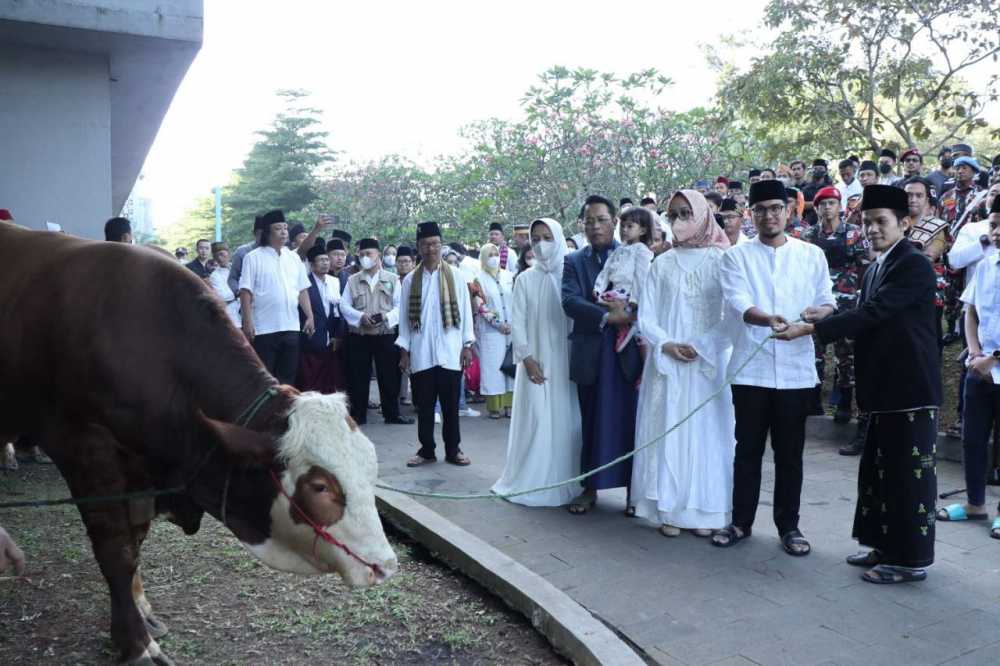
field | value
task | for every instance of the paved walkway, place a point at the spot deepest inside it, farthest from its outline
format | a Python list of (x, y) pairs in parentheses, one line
[(684, 602)]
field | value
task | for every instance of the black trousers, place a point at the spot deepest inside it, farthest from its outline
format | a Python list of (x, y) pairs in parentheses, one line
[(430, 386), (359, 350), (280, 354), (782, 414)]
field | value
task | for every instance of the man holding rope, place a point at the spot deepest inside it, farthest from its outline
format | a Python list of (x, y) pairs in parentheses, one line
[(898, 371), (766, 283)]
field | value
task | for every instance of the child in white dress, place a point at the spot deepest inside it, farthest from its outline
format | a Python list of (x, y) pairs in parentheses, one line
[(625, 271)]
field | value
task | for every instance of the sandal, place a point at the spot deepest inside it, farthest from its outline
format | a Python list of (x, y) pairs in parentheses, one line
[(669, 530), (995, 528), (461, 460), (418, 460), (954, 513), (881, 575), (795, 538), (581, 504), (701, 532), (730, 535), (870, 559)]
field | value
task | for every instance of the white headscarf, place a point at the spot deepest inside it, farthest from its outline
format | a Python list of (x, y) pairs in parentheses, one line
[(553, 265)]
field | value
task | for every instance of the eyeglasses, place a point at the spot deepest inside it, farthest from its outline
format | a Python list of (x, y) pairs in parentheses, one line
[(773, 210), (683, 214)]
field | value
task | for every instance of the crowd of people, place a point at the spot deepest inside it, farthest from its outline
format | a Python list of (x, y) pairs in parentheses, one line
[(713, 308)]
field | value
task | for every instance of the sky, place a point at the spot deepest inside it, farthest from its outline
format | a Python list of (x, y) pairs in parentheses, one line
[(404, 77)]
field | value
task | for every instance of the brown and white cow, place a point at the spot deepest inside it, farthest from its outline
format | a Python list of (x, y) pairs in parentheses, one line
[(124, 368)]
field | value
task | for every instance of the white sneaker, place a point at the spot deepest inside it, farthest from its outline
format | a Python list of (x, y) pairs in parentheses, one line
[(437, 418), (468, 411)]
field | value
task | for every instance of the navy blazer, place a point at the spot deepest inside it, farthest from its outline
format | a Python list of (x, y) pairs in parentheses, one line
[(319, 341), (897, 364), (580, 272)]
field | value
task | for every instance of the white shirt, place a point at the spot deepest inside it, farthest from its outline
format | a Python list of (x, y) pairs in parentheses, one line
[(847, 191), (983, 291), (967, 251), (431, 345), (782, 281), (353, 317), (275, 280), (219, 281), (329, 292)]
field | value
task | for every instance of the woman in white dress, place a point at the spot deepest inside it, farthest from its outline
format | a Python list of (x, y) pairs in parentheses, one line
[(543, 445), (686, 479), (493, 331)]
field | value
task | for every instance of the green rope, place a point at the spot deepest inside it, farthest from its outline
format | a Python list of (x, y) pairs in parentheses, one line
[(581, 477)]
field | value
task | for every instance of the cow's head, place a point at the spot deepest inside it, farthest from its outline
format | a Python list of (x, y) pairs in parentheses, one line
[(327, 471)]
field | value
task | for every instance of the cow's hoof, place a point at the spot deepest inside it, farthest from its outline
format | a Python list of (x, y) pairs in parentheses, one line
[(155, 627), (151, 656)]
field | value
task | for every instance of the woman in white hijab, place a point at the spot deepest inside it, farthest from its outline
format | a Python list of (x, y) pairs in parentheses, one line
[(543, 445), (493, 331)]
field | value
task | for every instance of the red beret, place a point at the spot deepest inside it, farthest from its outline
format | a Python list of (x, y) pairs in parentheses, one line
[(826, 193), (723, 180), (5, 214), (911, 151)]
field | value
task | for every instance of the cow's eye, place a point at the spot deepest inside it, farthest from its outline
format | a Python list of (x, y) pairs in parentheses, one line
[(319, 487)]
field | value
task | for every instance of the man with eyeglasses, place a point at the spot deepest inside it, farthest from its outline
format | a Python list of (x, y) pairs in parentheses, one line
[(913, 166), (608, 398), (768, 283)]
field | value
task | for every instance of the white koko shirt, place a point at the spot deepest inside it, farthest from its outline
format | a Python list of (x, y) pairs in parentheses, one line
[(983, 291), (783, 281), (275, 282), (432, 345)]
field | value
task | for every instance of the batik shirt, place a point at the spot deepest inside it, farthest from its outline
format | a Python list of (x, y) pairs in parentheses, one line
[(797, 227), (953, 205), (845, 250)]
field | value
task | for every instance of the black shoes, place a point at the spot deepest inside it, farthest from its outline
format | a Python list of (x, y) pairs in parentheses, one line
[(401, 420)]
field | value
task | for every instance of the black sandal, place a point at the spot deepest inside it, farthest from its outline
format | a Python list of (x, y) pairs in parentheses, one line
[(795, 538), (732, 535), (869, 559), (882, 576)]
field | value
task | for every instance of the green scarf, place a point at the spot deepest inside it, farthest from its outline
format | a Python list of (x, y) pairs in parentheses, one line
[(449, 303)]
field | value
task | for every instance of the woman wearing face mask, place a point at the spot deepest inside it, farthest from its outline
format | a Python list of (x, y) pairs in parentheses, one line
[(543, 445), (493, 331), (389, 258)]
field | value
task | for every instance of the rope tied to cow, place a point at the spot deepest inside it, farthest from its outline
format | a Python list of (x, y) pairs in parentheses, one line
[(581, 477)]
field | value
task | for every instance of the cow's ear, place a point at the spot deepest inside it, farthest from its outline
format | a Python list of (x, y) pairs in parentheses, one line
[(241, 443)]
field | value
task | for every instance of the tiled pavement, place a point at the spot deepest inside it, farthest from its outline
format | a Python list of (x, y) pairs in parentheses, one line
[(682, 601)]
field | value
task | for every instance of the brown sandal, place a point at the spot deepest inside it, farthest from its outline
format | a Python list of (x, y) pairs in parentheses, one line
[(461, 460), (418, 460)]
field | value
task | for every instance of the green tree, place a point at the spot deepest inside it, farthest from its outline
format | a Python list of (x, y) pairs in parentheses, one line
[(197, 222), (846, 75), (281, 171)]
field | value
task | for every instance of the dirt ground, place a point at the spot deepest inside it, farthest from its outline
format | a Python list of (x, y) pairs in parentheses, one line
[(223, 607)]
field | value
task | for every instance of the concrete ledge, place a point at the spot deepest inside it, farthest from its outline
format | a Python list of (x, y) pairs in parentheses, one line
[(823, 428), (571, 629)]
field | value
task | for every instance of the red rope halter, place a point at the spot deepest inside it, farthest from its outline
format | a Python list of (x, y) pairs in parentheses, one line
[(320, 532)]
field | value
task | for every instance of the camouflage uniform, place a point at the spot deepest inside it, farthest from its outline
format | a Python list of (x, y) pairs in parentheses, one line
[(846, 251)]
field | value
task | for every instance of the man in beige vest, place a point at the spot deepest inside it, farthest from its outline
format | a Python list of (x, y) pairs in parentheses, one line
[(370, 306)]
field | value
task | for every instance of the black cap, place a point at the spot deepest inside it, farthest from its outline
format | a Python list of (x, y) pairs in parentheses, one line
[(369, 244), (272, 217), (887, 152), (496, 226), (819, 162), (296, 230), (727, 205), (766, 190), (428, 229), (647, 200), (258, 223), (868, 165), (318, 248), (735, 185), (884, 196), (754, 172), (623, 201), (335, 244), (342, 235), (404, 251), (792, 193)]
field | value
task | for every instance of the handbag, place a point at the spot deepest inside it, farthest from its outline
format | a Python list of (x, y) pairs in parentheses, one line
[(508, 367)]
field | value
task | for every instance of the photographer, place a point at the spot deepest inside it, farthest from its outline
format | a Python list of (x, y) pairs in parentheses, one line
[(370, 306)]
